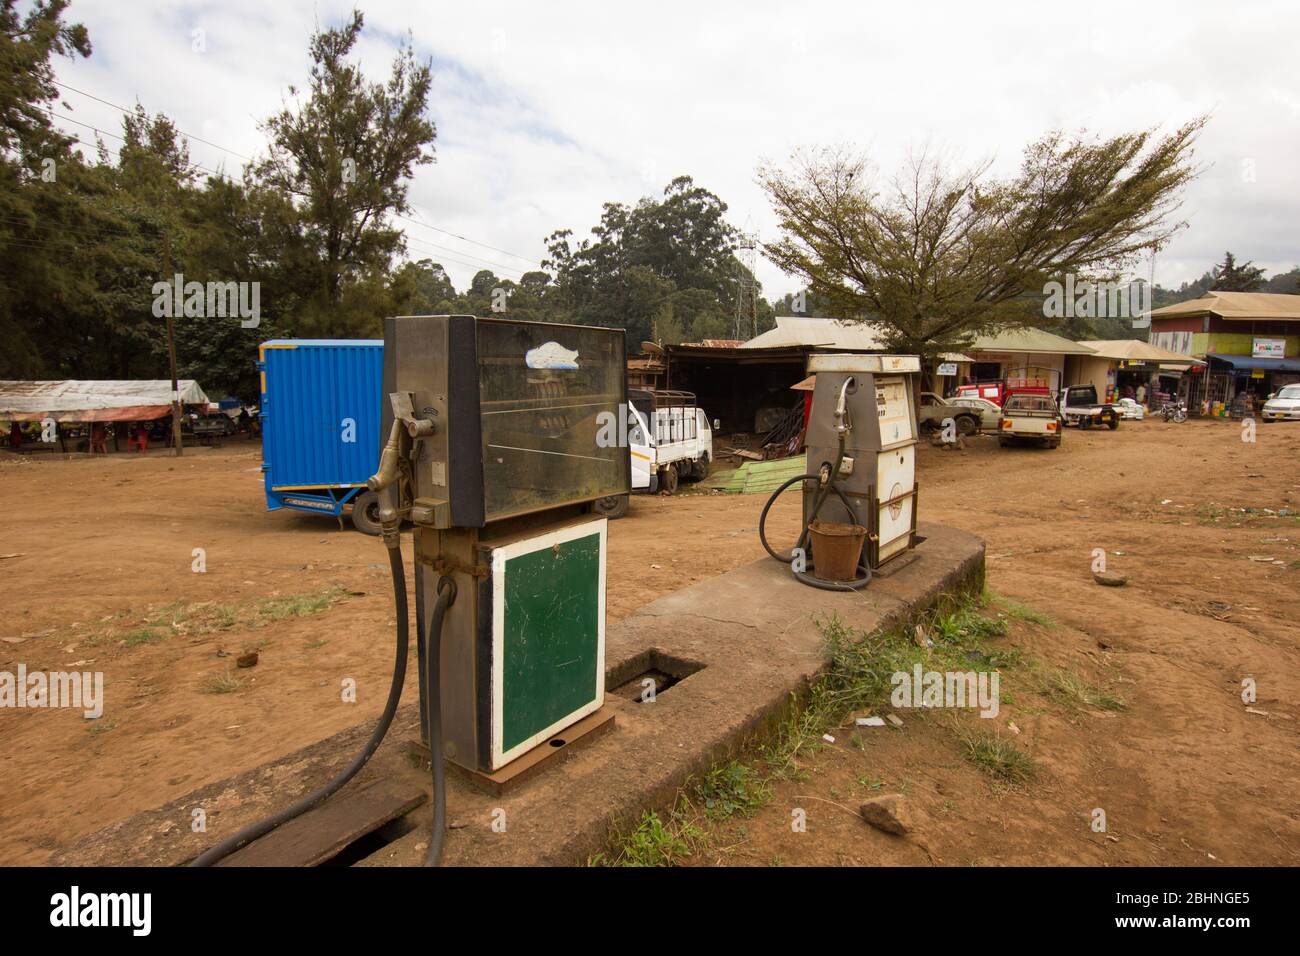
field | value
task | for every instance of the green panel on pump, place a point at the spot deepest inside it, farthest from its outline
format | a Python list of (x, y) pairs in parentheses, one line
[(548, 623)]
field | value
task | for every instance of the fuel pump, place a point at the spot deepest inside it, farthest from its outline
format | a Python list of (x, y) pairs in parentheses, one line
[(501, 436), (859, 494)]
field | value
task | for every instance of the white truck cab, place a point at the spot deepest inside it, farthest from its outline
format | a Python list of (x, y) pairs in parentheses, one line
[(669, 438)]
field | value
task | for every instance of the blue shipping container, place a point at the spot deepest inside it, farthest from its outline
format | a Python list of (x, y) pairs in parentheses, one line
[(321, 401)]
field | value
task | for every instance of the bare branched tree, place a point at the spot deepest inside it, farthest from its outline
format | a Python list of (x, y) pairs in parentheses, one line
[(941, 254)]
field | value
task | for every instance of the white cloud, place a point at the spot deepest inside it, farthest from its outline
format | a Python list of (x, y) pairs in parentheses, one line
[(545, 111)]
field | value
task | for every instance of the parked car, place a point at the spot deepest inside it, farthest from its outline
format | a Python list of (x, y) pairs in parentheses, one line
[(934, 411), (1130, 409), (1282, 405), (1079, 406), (213, 426), (1030, 417), (989, 410)]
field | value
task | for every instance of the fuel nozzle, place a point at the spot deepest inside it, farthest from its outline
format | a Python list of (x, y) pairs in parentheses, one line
[(386, 481), (843, 421)]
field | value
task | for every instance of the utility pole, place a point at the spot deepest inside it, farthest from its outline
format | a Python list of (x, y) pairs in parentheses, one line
[(177, 448), (745, 321)]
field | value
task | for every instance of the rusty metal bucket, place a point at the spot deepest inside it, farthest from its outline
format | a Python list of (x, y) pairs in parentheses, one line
[(836, 549)]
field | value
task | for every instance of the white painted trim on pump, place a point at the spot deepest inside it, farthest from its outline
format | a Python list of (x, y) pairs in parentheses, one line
[(500, 556)]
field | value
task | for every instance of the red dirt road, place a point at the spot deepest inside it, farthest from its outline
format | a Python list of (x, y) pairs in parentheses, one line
[(103, 581)]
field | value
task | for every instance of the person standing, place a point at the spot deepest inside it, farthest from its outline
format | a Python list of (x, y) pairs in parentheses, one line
[(1141, 394)]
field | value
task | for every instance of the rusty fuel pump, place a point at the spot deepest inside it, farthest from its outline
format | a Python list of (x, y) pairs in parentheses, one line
[(501, 437), (859, 493)]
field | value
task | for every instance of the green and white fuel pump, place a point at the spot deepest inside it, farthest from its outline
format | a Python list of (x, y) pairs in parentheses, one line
[(501, 436)]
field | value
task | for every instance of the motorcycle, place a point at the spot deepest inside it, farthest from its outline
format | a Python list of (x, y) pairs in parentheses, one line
[(1174, 411)]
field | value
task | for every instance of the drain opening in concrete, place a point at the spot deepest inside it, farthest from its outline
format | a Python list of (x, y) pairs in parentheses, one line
[(371, 843), (647, 676)]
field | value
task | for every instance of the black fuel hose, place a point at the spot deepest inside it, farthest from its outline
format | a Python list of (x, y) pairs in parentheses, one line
[(433, 722), (262, 827), (809, 579)]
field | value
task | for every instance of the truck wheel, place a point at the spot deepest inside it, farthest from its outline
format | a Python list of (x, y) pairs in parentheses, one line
[(611, 506), (365, 513), (668, 480), (701, 469), (967, 426)]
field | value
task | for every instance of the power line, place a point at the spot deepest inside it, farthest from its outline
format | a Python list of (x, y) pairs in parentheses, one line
[(419, 222), (197, 139), (225, 149)]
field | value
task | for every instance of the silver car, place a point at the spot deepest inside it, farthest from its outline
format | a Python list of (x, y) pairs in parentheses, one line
[(1283, 405), (989, 411)]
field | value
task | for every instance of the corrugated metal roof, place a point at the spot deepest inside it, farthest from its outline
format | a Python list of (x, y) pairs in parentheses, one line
[(1135, 350), (794, 331), (1235, 305), (1029, 340), (288, 343), (73, 395)]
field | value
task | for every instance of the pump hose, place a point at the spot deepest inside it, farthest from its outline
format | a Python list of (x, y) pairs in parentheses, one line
[(433, 703), (806, 578), (261, 828)]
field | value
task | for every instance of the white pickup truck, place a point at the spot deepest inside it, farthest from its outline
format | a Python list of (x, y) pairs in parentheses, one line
[(669, 439), (1030, 417)]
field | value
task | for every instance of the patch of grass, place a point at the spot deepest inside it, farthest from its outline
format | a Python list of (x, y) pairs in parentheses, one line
[(1071, 689), (222, 684), (1017, 610), (168, 616), (858, 678), (142, 635), (733, 788), (997, 756), (297, 605), (653, 843), (965, 626)]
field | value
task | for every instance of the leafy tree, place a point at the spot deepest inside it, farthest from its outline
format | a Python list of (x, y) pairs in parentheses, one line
[(345, 155), (664, 269), (35, 208), (940, 254), (1231, 277)]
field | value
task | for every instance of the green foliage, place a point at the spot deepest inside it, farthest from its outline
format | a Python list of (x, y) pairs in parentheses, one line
[(312, 220), (652, 843), (997, 756), (664, 269), (944, 254), (733, 788), (1231, 277)]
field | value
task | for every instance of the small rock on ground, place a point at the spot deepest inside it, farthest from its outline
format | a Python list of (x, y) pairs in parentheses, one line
[(887, 813), (1110, 579)]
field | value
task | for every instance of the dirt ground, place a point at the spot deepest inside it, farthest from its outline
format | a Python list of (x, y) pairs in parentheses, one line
[(98, 561)]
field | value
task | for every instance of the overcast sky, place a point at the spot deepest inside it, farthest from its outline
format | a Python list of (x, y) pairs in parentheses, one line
[(547, 110)]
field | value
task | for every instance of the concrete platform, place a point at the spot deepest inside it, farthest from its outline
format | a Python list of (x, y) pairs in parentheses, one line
[(748, 636)]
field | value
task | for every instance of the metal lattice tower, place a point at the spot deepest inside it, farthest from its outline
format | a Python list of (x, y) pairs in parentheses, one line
[(745, 323)]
